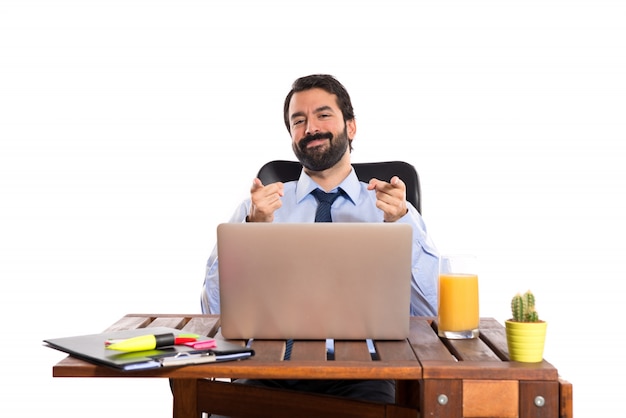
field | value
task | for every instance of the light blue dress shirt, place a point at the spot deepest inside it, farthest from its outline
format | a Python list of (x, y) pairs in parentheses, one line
[(357, 205)]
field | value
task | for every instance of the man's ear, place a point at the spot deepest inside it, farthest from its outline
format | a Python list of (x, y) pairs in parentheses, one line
[(351, 128)]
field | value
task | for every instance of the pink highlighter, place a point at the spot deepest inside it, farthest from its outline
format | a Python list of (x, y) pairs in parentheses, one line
[(202, 345)]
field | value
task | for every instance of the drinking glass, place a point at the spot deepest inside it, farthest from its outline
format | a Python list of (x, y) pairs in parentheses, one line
[(458, 316)]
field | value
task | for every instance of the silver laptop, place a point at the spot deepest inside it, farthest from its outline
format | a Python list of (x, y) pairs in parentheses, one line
[(314, 280)]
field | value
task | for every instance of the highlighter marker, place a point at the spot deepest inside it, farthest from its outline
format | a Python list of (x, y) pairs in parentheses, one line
[(143, 343)]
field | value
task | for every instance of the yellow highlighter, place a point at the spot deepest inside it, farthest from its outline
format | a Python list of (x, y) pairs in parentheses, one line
[(142, 343)]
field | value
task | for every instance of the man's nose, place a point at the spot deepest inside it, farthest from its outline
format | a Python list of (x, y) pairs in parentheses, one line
[(311, 127)]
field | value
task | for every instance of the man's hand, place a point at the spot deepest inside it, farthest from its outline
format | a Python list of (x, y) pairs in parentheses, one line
[(390, 197), (265, 200)]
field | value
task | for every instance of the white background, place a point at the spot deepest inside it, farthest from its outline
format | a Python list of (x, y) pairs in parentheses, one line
[(130, 129)]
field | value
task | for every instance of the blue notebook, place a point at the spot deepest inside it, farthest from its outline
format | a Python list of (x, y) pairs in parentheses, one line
[(92, 348)]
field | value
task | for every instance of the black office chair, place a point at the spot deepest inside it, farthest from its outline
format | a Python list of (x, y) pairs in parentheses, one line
[(247, 400), (282, 170)]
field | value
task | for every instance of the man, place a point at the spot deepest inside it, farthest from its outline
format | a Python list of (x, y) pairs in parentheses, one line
[(319, 116)]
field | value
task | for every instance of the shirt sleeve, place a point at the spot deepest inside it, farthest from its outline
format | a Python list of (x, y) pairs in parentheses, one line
[(210, 297), (425, 267)]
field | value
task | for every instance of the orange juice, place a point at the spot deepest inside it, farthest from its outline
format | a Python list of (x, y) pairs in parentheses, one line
[(458, 305)]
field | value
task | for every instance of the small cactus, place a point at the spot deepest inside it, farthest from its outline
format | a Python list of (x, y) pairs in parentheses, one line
[(523, 308)]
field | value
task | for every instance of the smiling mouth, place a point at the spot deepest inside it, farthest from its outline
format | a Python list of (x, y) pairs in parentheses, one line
[(316, 140), (316, 143)]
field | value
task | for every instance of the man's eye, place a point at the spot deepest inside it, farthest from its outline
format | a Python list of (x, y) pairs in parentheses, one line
[(298, 122)]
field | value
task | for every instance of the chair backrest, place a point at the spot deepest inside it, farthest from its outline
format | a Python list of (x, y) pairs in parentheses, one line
[(284, 171)]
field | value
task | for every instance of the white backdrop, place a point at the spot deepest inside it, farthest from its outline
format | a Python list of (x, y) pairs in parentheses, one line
[(130, 129)]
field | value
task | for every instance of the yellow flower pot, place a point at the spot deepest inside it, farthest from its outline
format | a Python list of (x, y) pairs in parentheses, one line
[(526, 340)]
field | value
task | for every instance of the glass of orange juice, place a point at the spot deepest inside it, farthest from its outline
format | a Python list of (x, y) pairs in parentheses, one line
[(458, 315)]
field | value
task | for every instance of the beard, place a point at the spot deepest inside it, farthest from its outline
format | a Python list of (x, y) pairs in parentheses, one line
[(321, 158)]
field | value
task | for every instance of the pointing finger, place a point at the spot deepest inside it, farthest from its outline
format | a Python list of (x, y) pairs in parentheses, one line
[(396, 182), (256, 185)]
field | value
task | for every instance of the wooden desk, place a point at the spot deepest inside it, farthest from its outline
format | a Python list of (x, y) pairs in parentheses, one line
[(460, 378)]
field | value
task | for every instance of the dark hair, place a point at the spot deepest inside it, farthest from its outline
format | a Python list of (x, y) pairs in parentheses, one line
[(325, 82)]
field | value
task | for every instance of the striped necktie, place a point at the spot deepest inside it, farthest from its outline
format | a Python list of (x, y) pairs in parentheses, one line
[(324, 202), (322, 214)]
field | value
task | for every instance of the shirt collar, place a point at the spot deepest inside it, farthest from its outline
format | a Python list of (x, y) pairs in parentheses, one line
[(350, 185)]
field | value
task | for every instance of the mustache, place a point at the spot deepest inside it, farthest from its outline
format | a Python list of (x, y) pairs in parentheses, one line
[(314, 137)]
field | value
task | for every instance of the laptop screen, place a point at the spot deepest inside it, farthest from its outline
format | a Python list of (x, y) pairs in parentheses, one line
[(315, 280)]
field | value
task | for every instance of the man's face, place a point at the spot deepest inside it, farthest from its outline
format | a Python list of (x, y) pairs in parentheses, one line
[(319, 134)]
